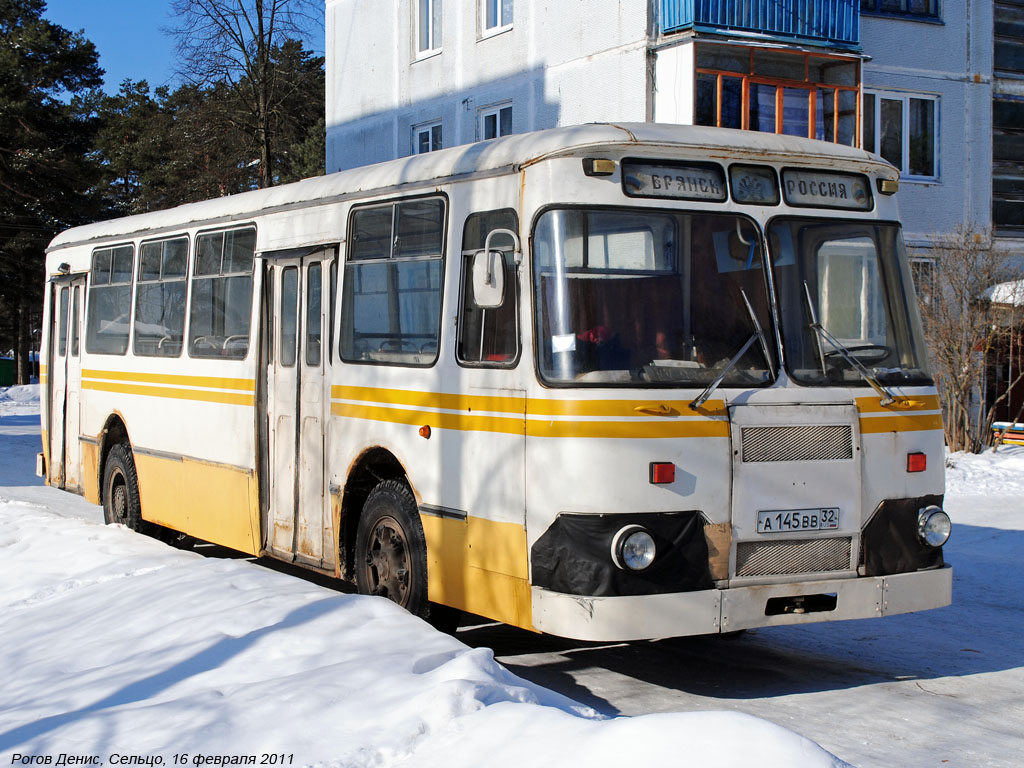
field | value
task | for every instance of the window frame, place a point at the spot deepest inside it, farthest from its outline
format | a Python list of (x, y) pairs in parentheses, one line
[(140, 282), (811, 88), (466, 256), (905, 97), (434, 21), (93, 286), (501, 24), (345, 277), (220, 274), (494, 110), (427, 128), (876, 9)]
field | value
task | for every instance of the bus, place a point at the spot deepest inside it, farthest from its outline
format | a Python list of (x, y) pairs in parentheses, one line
[(607, 382)]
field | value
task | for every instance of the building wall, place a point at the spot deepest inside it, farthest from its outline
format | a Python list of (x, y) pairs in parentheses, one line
[(563, 62), (952, 60)]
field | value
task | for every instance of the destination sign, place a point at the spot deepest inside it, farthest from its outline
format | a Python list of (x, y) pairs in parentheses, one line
[(825, 189), (678, 182)]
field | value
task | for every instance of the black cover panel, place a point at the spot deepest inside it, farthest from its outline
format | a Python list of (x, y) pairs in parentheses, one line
[(574, 555), (890, 543)]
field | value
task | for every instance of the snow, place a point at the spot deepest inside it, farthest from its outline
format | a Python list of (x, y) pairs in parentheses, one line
[(116, 646), (111, 643)]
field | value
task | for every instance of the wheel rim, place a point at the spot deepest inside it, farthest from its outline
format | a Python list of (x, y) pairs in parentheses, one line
[(118, 495), (387, 561)]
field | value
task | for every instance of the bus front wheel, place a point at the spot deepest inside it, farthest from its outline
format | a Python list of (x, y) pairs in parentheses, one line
[(391, 552), (121, 489)]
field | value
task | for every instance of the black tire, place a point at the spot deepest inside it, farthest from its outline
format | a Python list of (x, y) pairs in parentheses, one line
[(391, 554), (121, 490)]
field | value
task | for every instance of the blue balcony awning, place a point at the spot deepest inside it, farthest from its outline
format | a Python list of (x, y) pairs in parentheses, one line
[(821, 22)]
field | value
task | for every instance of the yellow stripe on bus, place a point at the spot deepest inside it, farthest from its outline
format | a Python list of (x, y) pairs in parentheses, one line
[(230, 398), (458, 421), (900, 423), (908, 404), (210, 382), (516, 405), (534, 427)]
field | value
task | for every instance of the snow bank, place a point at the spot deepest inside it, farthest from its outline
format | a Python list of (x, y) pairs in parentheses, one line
[(114, 643), (1000, 471), (20, 401)]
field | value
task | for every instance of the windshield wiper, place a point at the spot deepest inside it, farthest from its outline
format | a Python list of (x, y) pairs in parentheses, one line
[(888, 398), (757, 334)]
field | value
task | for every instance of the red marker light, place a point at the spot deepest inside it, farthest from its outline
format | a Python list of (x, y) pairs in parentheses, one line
[(662, 473), (917, 462)]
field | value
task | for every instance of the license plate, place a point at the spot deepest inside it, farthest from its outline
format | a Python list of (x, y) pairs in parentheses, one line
[(785, 520)]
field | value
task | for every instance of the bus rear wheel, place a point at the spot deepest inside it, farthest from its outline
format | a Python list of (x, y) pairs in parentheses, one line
[(121, 490)]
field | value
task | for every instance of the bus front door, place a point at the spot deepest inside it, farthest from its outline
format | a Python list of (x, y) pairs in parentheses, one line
[(298, 517), (65, 381)]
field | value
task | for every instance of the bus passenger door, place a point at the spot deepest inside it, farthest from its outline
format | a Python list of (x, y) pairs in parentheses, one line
[(299, 508), (65, 377)]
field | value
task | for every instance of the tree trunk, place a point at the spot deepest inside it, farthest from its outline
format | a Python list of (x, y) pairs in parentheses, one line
[(23, 337)]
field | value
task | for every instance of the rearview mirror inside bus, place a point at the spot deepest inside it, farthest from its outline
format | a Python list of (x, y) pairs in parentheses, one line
[(488, 279)]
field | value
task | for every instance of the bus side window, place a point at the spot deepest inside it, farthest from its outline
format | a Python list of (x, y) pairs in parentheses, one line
[(489, 336), (391, 300), (62, 324), (108, 316), (219, 317), (160, 298), (75, 304)]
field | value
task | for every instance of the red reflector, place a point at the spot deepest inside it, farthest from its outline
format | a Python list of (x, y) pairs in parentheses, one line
[(917, 462), (662, 473)]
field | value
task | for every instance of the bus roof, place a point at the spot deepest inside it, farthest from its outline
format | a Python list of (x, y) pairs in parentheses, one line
[(506, 154)]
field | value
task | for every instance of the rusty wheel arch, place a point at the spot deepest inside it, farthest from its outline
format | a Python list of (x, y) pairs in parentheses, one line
[(373, 466), (113, 432)]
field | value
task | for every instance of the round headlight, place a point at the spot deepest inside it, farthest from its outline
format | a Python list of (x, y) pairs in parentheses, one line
[(633, 548), (933, 526)]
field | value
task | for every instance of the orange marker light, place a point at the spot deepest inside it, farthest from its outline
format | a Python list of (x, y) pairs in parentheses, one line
[(662, 473), (425, 431), (917, 462)]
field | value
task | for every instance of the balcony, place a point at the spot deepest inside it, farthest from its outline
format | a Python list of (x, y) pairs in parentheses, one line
[(833, 23)]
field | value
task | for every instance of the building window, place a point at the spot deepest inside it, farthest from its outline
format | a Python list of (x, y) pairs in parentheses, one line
[(756, 89), (496, 15), (426, 137), (903, 129), (495, 121), (1007, 166), (924, 8), (428, 26)]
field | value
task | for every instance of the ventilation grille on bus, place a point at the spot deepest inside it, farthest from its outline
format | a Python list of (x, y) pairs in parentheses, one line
[(775, 558), (810, 443)]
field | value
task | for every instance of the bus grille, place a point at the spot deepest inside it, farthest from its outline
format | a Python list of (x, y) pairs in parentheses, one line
[(775, 558), (809, 443)]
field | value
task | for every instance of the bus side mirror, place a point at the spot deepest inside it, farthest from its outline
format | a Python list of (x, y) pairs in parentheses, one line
[(489, 270), (488, 279)]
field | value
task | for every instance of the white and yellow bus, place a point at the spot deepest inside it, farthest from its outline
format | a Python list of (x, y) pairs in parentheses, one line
[(606, 382)]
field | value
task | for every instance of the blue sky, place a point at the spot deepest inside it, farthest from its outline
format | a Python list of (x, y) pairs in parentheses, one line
[(127, 34)]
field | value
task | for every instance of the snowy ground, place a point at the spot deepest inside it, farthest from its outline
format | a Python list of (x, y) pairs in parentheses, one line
[(115, 646)]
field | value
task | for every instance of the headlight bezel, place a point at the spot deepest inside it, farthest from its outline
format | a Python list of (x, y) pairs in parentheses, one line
[(633, 549), (933, 526)]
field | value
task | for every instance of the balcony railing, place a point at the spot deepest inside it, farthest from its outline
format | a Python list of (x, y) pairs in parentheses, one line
[(828, 22)]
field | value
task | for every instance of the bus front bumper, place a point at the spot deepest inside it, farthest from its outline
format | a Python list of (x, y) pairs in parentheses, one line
[(712, 611)]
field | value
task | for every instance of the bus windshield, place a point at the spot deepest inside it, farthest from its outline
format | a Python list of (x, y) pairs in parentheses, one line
[(846, 297), (650, 298)]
